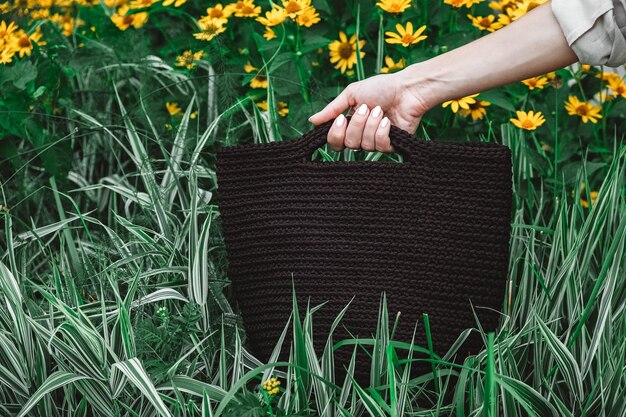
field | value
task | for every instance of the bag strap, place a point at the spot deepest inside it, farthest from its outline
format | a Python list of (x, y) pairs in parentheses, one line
[(402, 141)]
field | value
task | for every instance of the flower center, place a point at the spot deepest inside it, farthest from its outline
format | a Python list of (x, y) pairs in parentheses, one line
[(407, 38), (128, 20), (216, 13), (247, 9), (527, 124), (24, 42), (485, 22), (292, 7), (581, 110), (345, 50), (394, 8)]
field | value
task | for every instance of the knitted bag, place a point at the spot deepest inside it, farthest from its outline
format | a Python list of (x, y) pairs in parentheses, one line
[(432, 232)]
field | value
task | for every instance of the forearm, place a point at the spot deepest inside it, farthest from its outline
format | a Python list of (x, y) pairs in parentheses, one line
[(532, 45)]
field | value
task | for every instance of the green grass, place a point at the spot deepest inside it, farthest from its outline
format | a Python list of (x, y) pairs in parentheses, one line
[(115, 300)]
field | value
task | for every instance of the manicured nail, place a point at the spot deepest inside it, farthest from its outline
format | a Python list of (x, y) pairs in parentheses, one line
[(340, 120), (376, 111), (384, 122), (363, 109)]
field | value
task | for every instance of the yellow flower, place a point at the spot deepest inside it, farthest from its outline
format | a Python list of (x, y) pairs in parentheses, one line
[(269, 34), (308, 17), (487, 23), (585, 67), (244, 8), (219, 12), (22, 44), (523, 7), (6, 32), (188, 58), (295, 7), (210, 29), (172, 108), (140, 4), (503, 5), (617, 86), (528, 121), (461, 3), (394, 6), (281, 106), (476, 110), (536, 82), (274, 17), (609, 76), (593, 195), (406, 36), (271, 386), (504, 19), (260, 81), (6, 56), (392, 65), (461, 103), (249, 67), (123, 20), (176, 3), (587, 111), (343, 51)]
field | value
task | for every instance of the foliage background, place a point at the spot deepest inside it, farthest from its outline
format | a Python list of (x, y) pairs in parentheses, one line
[(112, 271)]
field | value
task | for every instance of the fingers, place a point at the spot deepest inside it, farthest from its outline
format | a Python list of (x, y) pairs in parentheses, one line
[(354, 132), (383, 143), (367, 130), (337, 133), (334, 108)]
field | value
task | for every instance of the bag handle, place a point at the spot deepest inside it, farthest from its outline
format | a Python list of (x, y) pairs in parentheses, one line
[(402, 141)]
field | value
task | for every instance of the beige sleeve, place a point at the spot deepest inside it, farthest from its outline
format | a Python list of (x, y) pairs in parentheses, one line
[(594, 29)]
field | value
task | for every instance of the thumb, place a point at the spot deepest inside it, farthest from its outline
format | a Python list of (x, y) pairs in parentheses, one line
[(332, 109)]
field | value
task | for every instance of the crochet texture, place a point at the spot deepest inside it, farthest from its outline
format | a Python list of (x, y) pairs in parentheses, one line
[(431, 232)]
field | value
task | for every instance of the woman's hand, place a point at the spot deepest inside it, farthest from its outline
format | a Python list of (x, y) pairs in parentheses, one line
[(378, 102)]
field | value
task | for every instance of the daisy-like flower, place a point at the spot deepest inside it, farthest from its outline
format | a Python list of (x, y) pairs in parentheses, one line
[(528, 121), (461, 3), (523, 7), (188, 58), (269, 34), (295, 7), (308, 17), (281, 106), (343, 51), (487, 23), (394, 6), (391, 66), (586, 111), (244, 8), (6, 55), (210, 29), (476, 110), (141, 4), (617, 86), (273, 17), (172, 108), (123, 20), (219, 12), (260, 81), (6, 32), (593, 196), (406, 36), (503, 5), (536, 82), (176, 3), (22, 44), (460, 103), (609, 76)]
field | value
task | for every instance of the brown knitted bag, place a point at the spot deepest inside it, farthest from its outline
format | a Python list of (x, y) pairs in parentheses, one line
[(432, 232)]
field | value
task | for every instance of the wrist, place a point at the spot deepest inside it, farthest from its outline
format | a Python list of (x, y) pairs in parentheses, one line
[(424, 81)]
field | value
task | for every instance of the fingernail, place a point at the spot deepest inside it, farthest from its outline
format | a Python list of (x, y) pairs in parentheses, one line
[(363, 109), (376, 111), (340, 120), (384, 122)]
